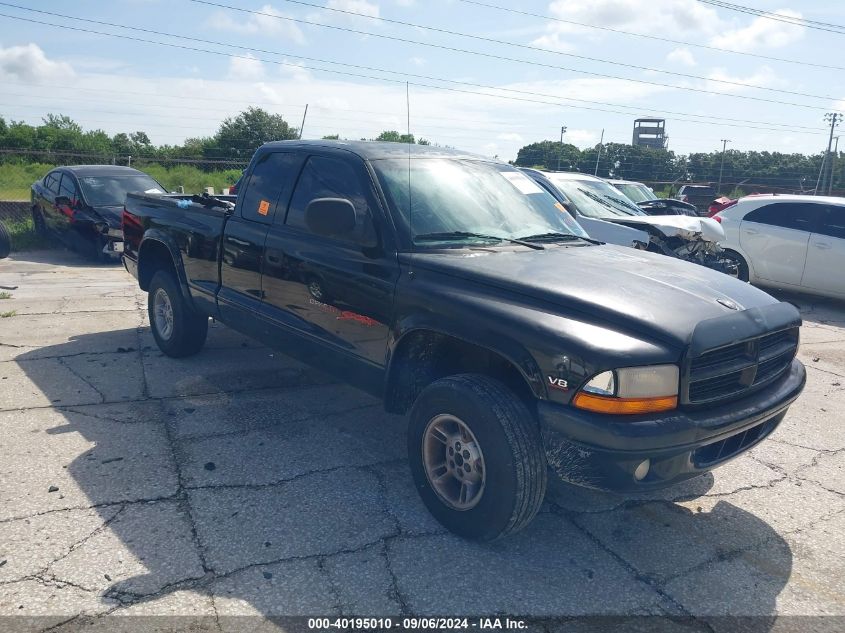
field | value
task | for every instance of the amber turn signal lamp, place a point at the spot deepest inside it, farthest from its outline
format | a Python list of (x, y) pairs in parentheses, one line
[(624, 406)]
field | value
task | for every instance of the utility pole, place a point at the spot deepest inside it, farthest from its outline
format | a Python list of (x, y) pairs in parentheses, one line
[(833, 158), (725, 142), (598, 156), (304, 114), (833, 118), (560, 152)]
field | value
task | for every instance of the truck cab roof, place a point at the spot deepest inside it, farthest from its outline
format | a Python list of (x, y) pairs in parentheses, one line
[(376, 150)]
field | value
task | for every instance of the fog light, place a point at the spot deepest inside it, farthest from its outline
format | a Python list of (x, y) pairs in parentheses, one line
[(642, 470)]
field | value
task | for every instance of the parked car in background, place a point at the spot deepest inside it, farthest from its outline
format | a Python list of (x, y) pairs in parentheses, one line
[(456, 290), (5, 241), (691, 239), (788, 241), (82, 205), (700, 196), (645, 198), (719, 204)]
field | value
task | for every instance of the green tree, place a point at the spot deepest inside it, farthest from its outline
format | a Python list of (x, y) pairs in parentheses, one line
[(240, 136), (392, 136), (548, 154)]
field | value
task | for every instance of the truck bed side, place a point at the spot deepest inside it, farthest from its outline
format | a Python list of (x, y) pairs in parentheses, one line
[(191, 234)]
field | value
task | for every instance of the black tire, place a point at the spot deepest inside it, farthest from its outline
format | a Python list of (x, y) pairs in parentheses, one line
[(513, 459), (741, 265), (5, 241), (188, 329), (38, 222)]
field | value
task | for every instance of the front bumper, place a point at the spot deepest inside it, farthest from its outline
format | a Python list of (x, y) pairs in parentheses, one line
[(601, 451)]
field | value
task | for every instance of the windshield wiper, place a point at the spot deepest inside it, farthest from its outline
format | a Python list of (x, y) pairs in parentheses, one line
[(459, 235), (549, 237)]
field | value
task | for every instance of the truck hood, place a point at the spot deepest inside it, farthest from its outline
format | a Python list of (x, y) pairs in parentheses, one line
[(683, 226), (661, 297)]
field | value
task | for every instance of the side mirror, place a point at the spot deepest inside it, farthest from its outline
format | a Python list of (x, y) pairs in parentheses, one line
[(330, 217)]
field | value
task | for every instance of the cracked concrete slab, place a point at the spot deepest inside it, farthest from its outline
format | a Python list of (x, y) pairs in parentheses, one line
[(551, 568), (799, 575), (88, 460), (361, 582), (29, 546), (317, 514), (225, 370), (23, 385), (293, 448), (662, 539), (242, 411), (146, 547), (828, 471)]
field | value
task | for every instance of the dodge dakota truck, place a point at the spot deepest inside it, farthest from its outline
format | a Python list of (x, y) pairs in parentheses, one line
[(460, 292)]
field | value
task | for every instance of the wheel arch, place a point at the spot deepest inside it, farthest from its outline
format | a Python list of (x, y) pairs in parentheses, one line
[(425, 354), (158, 252)]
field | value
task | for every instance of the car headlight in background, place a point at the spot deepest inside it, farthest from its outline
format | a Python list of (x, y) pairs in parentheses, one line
[(631, 390)]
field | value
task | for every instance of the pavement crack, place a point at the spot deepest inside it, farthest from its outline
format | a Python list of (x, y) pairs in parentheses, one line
[(83, 379)]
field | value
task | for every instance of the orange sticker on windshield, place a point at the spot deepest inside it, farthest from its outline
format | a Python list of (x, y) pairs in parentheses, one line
[(560, 207), (263, 207)]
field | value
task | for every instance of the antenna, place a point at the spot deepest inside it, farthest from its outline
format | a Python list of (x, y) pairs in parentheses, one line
[(304, 114), (410, 206)]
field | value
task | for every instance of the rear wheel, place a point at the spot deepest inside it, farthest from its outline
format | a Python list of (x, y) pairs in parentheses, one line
[(177, 329), (476, 456)]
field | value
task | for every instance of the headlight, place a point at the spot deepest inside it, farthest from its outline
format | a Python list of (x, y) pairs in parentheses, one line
[(631, 390)]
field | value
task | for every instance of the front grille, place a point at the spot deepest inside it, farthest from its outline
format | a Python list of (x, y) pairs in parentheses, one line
[(728, 447), (728, 372)]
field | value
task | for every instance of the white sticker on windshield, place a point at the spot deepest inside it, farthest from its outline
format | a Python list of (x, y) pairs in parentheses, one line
[(521, 182), (154, 190)]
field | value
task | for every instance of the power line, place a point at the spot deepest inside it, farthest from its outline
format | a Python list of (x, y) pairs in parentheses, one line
[(658, 38), (707, 120), (778, 17), (524, 61), (507, 43)]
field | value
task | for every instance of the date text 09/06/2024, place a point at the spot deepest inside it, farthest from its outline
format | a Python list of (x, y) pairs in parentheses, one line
[(417, 623)]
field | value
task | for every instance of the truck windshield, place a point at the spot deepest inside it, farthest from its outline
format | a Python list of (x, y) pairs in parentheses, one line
[(459, 201), (636, 192), (108, 191), (595, 199)]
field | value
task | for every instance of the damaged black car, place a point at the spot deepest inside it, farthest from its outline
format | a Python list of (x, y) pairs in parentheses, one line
[(81, 206)]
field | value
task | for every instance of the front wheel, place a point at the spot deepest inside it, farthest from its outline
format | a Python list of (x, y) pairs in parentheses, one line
[(177, 329), (476, 457)]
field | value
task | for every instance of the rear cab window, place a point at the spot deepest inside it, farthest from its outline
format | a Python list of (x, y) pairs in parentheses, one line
[(833, 222), (268, 188)]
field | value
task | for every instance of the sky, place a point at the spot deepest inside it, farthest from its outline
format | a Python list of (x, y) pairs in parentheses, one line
[(499, 81)]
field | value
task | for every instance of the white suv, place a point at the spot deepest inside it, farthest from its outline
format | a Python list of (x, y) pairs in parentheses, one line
[(788, 241)]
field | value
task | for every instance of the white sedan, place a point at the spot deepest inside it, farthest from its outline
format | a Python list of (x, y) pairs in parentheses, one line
[(788, 241)]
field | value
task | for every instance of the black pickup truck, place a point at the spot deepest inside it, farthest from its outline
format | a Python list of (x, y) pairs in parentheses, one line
[(456, 289)]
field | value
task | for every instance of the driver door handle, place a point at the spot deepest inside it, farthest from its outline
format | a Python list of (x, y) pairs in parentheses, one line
[(821, 245), (751, 231)]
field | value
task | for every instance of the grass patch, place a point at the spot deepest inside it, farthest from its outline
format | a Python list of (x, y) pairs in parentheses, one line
[(24, 237), (6, 315), (17, 178), (5, 295)]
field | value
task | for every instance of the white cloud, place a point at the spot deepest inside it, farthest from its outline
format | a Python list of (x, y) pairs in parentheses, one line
[(355, 6), (245, 68), (761, 33), (271, 23), (682, 17), (764, 76), (682, 56), (511, 136), (418, 61), (29, 63), (297, 71)]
